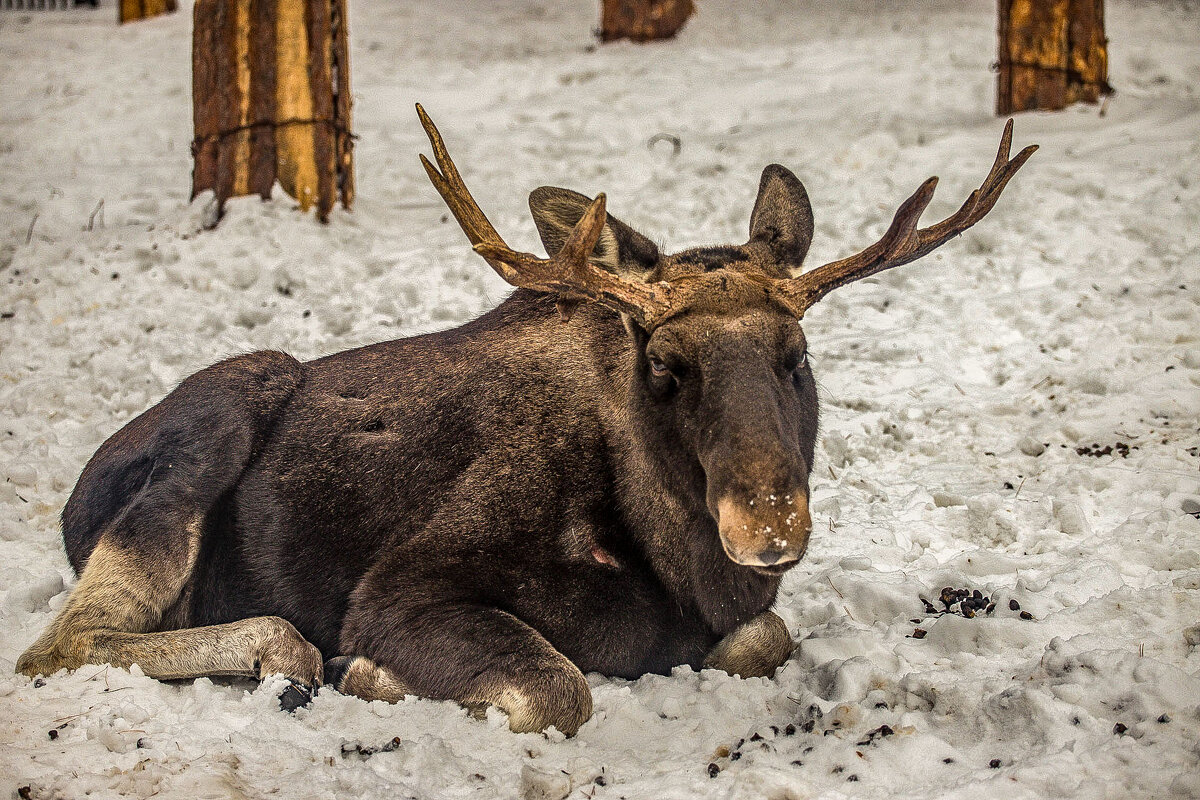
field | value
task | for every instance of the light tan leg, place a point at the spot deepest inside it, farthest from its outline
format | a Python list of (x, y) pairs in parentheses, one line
[(561, 698), (755, 649), (363, 678), (112, 614)]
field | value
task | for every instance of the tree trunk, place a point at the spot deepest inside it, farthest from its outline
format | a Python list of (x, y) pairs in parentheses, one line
[(643, 20), (271, 101), (131, 10), (1052, 53)]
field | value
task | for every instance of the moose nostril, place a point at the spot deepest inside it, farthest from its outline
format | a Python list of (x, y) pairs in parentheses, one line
[(769, 556)]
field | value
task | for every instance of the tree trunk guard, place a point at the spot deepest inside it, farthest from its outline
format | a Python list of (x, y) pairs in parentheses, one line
[(131, 10), (271, 101), (1052, 53), (643, 20)]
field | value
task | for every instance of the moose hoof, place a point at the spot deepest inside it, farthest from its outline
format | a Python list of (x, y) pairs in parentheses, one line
[(286, 652), (295, 696), (45, 661), (336, 669), (559, 698), (755, 649)]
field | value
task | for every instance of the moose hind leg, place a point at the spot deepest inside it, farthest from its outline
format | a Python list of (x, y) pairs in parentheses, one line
[(121, 590), (135, 522), (121, 596), (755, 649)]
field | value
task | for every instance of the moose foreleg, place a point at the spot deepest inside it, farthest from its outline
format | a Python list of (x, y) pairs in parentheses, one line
[(475, 655), (755, 649), (363, 678)]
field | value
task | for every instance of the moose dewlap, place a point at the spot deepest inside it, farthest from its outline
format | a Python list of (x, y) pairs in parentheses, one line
[(486, 513)]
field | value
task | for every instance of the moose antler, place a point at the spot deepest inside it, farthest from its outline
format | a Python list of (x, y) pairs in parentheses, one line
[(904, 242), (568, 273)]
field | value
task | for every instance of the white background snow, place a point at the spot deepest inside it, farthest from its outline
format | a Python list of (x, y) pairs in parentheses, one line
[(1069, 317)]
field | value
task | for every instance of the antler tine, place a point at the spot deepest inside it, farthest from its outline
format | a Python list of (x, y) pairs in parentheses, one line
[(454, 192), (569, 273), (904, 242)]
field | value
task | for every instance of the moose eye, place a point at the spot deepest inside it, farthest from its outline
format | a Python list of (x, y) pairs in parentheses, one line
[(797, 363), (658, 368)]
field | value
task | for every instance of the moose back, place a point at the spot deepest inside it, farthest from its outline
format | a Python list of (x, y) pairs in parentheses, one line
[(608, 472)]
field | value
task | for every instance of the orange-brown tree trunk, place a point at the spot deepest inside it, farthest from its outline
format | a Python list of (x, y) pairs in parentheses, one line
[(271, 101), (643, 20), (131, 10), (1052, 53)]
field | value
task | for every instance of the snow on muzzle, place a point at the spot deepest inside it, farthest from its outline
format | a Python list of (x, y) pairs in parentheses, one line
[(766, 530)]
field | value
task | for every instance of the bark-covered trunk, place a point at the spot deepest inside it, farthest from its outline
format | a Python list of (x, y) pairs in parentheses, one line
[(131, 10), (271, 101), (1052, 53), (643, 20)]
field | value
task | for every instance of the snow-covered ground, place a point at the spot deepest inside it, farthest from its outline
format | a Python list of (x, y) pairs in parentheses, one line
[(1066, 324)]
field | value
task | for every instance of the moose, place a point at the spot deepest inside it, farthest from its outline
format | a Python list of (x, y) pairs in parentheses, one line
[(608, 472)]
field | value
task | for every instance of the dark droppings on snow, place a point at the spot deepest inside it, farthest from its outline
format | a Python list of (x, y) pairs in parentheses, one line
[(994, 763), (1095, 450), (1120, 729), (363, 752), (967, 603), (881, 732), (713, 770)]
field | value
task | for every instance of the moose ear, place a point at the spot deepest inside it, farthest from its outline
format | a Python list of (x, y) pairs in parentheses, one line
[(782, 218), (620, 248)]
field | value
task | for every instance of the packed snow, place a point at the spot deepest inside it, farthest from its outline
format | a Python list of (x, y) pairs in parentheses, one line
[(1018, 414)]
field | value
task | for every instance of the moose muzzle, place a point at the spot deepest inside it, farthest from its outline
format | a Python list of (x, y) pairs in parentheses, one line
[(765, 530)]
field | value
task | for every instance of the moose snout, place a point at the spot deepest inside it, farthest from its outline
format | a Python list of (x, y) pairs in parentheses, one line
[(767, 530)]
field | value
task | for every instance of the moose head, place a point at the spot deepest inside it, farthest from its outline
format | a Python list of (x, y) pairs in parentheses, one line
[(722, 371)]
